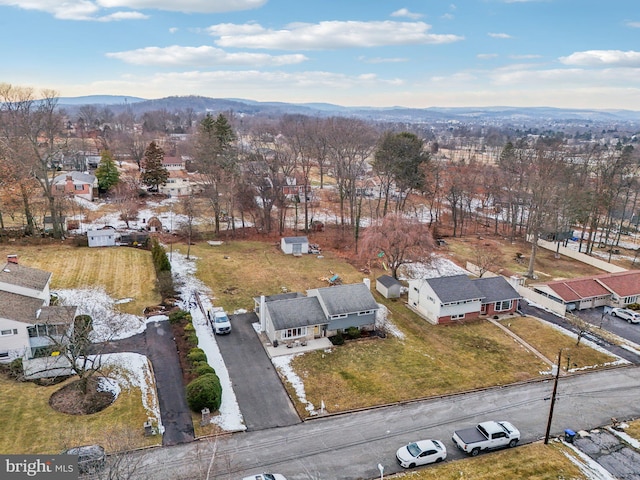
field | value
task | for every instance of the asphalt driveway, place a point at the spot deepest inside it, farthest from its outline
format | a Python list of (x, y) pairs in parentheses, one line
[(261, 396)]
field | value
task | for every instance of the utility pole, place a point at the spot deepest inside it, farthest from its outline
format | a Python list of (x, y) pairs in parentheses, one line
[(553, 398)]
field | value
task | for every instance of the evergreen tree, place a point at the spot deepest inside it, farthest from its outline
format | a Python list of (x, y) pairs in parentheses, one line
[(107, 172), (153, 173)]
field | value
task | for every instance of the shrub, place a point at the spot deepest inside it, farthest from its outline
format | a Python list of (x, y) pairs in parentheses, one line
[(204, 391), (192, 339), (202, 368), (353, 332), (178, 316), (337, 339), (634, 306), (196, 355), (189, 328)]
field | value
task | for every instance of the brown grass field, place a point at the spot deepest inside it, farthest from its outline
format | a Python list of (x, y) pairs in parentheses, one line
[(375, 371), (122, 272), (547, 267), (549, 341)]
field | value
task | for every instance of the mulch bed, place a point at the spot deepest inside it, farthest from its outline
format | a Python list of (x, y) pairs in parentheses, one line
[(72, 400)]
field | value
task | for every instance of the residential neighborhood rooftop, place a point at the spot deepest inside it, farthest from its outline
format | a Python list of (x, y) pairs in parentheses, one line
[(455, 288), (349, 298), (19, 275), (286, 313), (20, 307)]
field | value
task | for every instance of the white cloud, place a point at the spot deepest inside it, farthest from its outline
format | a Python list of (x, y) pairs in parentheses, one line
[(597, 58), (95, 10), (376, 60), (486, 56), (190, 6), (633, 24), (447, 16), (499, 35), (201, 56), (328, 35), (404, 12), (173, 30)]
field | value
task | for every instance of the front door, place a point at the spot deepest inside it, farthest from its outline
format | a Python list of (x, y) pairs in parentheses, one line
[(297, 248)]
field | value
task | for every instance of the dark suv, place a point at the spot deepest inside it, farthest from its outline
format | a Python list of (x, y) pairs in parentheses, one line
[(91, 458)]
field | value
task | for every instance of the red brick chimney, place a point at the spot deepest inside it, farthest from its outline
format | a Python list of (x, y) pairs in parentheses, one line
[(12, 259)]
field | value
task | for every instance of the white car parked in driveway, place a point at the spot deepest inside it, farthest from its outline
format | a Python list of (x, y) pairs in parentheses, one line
[(421, 453), (626, 314), (221, 323)]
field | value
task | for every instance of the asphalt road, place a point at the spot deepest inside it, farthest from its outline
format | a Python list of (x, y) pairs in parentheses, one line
[(350, 446)]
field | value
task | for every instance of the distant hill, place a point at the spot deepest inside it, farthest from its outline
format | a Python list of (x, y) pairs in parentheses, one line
[(99, 100), (496, 114)]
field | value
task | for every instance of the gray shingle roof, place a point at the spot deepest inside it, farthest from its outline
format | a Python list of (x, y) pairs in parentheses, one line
[(56, 315), (455, 288), (15, 274), (496, 289), (388, 281), (295, 240), (78, 176), (295, 312), (20, 308), (279, 296), (349, 298)]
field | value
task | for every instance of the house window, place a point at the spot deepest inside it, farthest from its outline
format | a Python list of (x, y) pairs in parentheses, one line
[(628, 300), (342, 315), (504, 305), (79, 188), (8, 332), (4, 354), (458, 316), (294, 332), (366, 312)]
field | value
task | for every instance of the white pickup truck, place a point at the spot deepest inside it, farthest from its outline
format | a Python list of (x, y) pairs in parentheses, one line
[(486, 436)]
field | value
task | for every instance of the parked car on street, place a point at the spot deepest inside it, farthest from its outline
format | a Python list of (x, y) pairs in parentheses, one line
[(486, 436), (221, 323), (422, 452), (265, 476), (91, 458), (626, 314)]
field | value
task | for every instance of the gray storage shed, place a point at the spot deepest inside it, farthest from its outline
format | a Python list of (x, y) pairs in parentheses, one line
[(388, 286), (294, 245)]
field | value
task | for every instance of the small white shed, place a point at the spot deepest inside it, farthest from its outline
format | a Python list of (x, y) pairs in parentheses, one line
[(294, 245), (388, 286), (101, 238)]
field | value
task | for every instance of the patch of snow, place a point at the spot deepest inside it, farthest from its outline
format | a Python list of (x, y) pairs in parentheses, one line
[(630, 348), (383, 322), (283, 365), (128, 370), (123, 300), (625, 437), (438, 267), (108, 323)]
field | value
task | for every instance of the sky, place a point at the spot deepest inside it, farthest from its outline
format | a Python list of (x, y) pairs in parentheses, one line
[(378, 53)]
